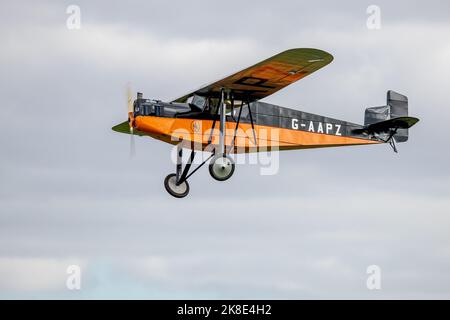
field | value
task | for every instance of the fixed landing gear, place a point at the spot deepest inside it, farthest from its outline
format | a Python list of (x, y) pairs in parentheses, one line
[(176, 183), (221, 167)]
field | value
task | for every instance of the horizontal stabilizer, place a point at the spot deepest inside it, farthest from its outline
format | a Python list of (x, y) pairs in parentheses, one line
[(388, 126)]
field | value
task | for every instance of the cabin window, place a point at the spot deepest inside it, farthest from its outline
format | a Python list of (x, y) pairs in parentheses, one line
[(244, 114)]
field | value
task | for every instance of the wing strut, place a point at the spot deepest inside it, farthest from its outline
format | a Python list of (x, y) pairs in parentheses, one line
[(237, 124), (236, 127), (251, 120)]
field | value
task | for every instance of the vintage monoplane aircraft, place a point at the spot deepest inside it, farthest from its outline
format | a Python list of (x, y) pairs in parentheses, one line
[(249, 125)]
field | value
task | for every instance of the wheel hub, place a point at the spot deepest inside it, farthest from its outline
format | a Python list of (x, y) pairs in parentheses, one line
[(221, 167)]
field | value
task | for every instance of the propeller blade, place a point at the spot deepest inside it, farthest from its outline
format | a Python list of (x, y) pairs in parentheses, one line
[(130, 119), (129, 98), (132, 144)]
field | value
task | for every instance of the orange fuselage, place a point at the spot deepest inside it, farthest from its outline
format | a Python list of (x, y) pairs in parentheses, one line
[(198, 133)]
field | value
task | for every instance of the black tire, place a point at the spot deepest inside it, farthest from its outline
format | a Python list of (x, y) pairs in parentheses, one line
[(179, 191), (216, 175)]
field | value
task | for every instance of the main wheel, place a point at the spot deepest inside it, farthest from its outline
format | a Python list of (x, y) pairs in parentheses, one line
[(178, 191), (221, 167)]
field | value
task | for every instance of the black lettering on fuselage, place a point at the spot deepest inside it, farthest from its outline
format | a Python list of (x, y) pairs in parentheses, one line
[(318, 127)]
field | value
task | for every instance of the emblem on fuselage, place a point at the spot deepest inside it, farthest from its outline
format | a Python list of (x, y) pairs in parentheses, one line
[(196, 126)]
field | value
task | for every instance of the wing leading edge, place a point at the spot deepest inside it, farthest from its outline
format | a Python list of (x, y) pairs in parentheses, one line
[(268, 76)]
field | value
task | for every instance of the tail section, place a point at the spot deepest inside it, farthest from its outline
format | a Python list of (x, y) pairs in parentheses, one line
[(397, 107), (389, 123)]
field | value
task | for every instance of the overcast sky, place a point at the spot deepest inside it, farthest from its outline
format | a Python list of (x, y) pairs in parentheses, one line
[(70, 194)]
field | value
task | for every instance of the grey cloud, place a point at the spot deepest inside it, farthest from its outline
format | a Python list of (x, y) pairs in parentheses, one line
[(69, 190)]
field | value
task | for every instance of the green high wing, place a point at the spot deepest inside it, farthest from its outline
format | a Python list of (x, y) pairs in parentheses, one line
[(268, 76)]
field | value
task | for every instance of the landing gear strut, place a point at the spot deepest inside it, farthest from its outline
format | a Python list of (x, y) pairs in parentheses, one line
[(176, 183), (222, 166)]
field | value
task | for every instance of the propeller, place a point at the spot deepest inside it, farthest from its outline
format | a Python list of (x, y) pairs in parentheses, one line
[(131, 120)]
